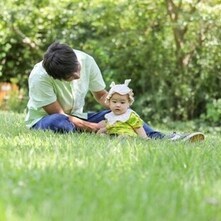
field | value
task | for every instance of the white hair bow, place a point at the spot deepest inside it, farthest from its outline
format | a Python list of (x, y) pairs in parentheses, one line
[(112, 84), (126, 82)]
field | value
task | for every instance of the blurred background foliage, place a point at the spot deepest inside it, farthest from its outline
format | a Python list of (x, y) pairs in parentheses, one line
[(169, 48)]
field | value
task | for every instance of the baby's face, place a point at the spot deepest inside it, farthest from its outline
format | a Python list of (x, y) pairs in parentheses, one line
[(119, 103)]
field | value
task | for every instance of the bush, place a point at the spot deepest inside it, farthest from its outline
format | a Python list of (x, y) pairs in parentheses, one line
[(169, 50), (213, 112)]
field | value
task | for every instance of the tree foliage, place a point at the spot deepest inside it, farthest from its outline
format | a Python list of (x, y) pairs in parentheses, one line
[(169, 48)]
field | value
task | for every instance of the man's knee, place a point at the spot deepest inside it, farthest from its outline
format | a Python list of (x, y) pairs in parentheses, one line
[(61, 124), (57, 123)]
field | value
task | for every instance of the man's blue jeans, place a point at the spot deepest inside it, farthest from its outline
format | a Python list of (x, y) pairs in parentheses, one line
[(61, 124)]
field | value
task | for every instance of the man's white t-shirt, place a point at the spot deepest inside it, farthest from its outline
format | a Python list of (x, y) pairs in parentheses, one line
[(44, 90)]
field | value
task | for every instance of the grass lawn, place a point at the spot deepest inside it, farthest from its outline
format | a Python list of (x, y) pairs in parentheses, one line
[(86, 177)]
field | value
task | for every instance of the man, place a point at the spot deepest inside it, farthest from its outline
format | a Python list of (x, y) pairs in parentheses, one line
[(57, 89)]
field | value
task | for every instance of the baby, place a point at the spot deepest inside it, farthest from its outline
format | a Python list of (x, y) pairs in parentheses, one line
[(122, 120)]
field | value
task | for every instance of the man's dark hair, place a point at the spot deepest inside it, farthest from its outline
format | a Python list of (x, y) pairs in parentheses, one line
[(60, 61)]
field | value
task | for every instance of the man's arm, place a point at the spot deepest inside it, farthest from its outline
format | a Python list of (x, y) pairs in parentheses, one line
[(100, 97), (55, 107)]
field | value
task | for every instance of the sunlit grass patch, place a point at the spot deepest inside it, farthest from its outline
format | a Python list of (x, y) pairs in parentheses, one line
[(47, 176)]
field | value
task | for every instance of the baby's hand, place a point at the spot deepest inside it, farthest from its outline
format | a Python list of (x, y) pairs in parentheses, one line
[(101, 130), (101, 124)]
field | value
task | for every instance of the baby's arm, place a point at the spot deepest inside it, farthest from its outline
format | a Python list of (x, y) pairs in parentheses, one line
[(137, 124), (141, 132)]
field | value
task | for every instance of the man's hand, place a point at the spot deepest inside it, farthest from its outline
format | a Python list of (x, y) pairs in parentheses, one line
[(84, 125), (79, 123)]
